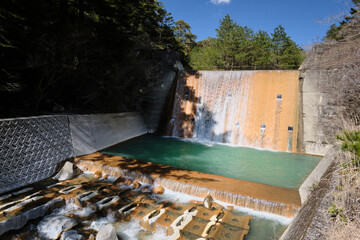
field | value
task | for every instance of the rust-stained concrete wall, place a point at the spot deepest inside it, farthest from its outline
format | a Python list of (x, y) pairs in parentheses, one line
[(230, 106)]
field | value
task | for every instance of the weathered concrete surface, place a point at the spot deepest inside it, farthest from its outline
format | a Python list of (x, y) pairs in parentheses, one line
[(317, 113), (312, 221), (320, 107), (314, 178), (91, 133), (20, 220), (87, 202), (154, 103)]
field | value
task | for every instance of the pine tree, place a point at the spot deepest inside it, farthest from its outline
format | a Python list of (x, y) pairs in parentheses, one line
[(261, 50), (183, 35)]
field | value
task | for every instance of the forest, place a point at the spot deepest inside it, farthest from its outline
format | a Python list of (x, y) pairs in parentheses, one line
[(240, 48), (80, 56)]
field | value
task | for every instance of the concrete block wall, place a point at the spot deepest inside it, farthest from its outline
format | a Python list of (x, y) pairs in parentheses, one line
[(31, 148)]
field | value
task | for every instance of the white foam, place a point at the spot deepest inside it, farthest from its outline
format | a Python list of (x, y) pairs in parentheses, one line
[(132, 230), (98, 223), (208, 143), (71, 207), (170, 195)]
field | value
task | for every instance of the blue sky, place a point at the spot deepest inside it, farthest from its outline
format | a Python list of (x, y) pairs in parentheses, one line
[(299, 17)]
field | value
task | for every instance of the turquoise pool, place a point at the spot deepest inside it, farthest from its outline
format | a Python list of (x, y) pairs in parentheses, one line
[(268, 167)]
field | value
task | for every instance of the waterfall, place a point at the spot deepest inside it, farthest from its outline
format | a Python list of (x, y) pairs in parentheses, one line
[(231, 106)]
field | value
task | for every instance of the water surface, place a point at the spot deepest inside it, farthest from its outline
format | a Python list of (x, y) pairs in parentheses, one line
[(281, 169)]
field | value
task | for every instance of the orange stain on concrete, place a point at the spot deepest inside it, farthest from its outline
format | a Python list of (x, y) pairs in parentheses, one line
[(236, 103)]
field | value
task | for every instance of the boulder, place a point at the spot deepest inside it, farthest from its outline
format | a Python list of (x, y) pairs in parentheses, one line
[(208, 201), (97, 174), (120, 180), (107, 232), (129, 182), (136, 185), (218, 206), (53, 225), (159, 190), (68, 171), (71, 235)]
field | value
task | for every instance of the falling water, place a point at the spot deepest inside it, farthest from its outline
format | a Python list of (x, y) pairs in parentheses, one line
[(283, 209), (229, 107)]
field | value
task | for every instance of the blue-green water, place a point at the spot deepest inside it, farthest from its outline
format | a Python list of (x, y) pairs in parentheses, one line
[(273, 168)]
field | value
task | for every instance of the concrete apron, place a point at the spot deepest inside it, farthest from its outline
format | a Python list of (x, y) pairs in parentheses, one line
[(78, 203)]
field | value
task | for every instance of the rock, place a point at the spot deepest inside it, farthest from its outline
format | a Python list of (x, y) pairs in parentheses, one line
[(68, 171), (97, 174), (129, 182), (71, 235), (120, 180), (78, 203), (107, 232), (53, 225), (105, 176), (159, 190), (230, 208), (208, 201), (91, 237), (146, 189), (136, 185), (218, 206)]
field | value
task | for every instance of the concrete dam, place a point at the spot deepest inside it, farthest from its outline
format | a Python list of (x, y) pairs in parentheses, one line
[(244, 108)]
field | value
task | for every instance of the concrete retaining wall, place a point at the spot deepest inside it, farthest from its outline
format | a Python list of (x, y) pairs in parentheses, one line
[(314, 178), (91, 133), (312, 219), (31, 148), (317, 113)]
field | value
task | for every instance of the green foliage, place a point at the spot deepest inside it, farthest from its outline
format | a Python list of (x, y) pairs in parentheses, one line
[(350, 142), (238, 47), (333, 33), (183, 35), (93, 55), (334, 211)]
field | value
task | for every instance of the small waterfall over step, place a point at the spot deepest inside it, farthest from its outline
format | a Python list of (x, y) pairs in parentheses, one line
[(244, 108), (276, 200)]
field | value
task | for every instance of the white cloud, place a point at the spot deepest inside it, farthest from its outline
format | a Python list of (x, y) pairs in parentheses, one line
[(220, 1)]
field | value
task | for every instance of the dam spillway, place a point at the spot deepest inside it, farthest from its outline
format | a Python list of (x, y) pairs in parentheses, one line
[(243, 108)]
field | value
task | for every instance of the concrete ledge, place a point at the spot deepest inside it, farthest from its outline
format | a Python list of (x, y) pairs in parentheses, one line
[(94, 132), (315, 176)]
